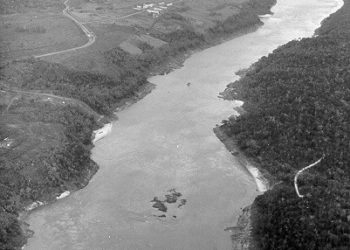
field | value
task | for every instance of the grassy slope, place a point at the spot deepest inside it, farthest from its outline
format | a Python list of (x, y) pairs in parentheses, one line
[(31, 27), (46, 138), (21, 6), (298, 103)]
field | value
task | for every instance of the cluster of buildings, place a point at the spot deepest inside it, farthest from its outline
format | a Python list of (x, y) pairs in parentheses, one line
[(154, 8), (6, 143)]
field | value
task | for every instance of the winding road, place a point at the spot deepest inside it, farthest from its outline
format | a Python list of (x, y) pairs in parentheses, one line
[(90, 35)]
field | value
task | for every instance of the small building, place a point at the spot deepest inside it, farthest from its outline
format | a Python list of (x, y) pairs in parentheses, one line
[(169, 4), (6, 143), (146, 6), (154, 11)]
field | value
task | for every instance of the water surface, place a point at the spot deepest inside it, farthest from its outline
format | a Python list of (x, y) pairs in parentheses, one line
[(166, 141)]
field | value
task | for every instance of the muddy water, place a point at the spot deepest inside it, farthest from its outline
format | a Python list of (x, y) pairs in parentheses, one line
[(166, 141)]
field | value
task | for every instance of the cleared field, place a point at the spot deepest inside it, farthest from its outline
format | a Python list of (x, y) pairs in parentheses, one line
[(36, 29), (36, 33), (92, 58), (24, 6), (119, 23), (201, 11)]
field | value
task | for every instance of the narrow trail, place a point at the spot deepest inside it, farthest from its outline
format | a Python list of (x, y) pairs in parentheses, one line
[(114, 19), (300, 172), (39, 94), (60, 99)]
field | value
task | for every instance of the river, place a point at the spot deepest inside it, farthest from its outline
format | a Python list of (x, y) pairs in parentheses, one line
[(166, 141)]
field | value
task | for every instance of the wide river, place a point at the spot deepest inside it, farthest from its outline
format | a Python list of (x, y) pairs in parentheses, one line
[(166, 141)]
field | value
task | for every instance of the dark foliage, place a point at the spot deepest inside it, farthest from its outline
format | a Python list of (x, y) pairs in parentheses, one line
[(10, 231), (40, 170), (100, 92), (298, 103)]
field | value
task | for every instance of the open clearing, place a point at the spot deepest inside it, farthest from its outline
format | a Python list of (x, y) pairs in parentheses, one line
[(119, 23), (37, 33), (42, 28)]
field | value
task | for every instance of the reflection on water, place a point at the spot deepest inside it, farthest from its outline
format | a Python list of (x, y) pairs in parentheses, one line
[(166, 141)]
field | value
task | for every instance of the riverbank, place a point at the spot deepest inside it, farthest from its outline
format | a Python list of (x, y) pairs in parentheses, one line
[(262, 178), (293, 117), (241, 233), (65, 128)]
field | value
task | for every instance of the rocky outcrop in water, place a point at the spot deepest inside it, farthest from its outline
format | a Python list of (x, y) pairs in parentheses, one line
[(172, 197)]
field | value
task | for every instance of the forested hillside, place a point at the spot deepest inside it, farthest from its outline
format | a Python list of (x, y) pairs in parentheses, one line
[(99, 91), (44, 151), (47, 115), (298, 109)]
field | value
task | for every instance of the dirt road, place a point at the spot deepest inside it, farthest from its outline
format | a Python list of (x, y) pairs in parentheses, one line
[(90, 35)]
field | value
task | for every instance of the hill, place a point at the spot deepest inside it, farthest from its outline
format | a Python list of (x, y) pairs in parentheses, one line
[(298, 109)]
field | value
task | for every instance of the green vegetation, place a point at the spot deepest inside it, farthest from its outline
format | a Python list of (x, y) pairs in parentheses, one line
[(51, 132), (35, 29), (298, 108), (48, 113), (10, 234), (246, 19), (49, 153), (100, 92), (19, 6), (183, 40)]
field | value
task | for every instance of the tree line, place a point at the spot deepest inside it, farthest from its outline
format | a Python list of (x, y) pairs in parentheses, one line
[(298, 109)]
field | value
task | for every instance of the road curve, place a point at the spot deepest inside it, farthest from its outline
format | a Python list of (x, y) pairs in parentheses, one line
[(90, 35), (302, 170), (62, 99)]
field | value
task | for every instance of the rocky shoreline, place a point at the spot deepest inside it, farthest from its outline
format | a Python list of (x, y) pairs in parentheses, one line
[(241, 234)]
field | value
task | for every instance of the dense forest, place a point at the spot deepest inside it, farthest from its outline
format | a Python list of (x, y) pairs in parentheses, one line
[(99, 91), (49, 153), (298, 109)]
